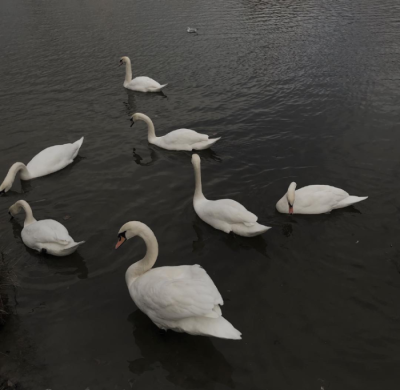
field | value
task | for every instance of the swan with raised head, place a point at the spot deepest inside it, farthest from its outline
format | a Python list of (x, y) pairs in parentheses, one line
[(224, 214), (45, 236), (181, 139), (181, 298), (141, 83), (315, 199), (48, 161)]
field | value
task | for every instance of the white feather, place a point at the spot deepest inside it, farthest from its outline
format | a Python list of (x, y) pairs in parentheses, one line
[(224, 214), (47, 234), (48, 161), (317, 199), (141, 83), (181, 139), (182, 298)]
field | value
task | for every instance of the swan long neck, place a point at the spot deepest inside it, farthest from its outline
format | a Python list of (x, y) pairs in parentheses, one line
[(144, 265), (12, 173), (198, 193), (128, 70), (151, 132), (28, 212)]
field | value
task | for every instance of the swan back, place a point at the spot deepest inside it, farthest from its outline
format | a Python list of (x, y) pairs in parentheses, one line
[(51, 236), (317, 199), (53, 159)]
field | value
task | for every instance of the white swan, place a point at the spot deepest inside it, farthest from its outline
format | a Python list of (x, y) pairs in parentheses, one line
[(181, 139), (315, 199), (139, 84), (47, 235), (49, 160), (224, 214), (181, 298)]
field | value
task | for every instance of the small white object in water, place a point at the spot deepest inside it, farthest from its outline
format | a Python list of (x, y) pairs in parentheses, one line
[(191, 30)]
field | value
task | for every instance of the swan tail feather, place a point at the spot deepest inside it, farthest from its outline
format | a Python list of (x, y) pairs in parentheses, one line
[(77, 145), (349, 201), (249, 230), (205, 144), (157, 89), (73, 246), (215, 327), (79, 142)]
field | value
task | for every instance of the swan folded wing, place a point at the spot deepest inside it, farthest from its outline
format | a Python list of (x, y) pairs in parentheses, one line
[(52, 159), (321, 195), (229, 211), (184, 136), (189, 294), (49, 231), (145, 82)]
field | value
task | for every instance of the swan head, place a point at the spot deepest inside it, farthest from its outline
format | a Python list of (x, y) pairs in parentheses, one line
[(195, 160), (14, 209), (136, 117), (6, 185), (290, 196), (123, 60), (129, 230)]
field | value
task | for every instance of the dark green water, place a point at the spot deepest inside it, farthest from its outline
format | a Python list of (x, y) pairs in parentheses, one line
[(299, 91)]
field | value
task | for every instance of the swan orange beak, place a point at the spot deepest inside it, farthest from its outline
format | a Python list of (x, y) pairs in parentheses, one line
[(121, 240), (290, 209)]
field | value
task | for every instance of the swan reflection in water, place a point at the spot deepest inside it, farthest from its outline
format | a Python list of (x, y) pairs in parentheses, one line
[(233, 241), (157, 153), (131, 106), (191, 362)]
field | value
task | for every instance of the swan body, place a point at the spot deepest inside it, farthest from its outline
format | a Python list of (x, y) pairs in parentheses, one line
[(315, 199), (224, 214), (48, 161), (181, 139), (47, 235), (181, 298), (141, 83)]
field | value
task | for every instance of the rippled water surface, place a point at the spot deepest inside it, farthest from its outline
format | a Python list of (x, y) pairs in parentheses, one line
[(299, 91)]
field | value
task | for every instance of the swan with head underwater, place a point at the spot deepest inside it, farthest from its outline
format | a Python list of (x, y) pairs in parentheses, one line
[(181, 298), (181, 139), (224, 214), (141, 83), (48, 161), (45, 236), (315, 199)]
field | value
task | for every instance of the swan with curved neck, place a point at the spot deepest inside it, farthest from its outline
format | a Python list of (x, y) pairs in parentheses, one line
[(45, 236), (48, 161), (224, 214), (181, 139), (141, 83), (181, 298), (315, 199)]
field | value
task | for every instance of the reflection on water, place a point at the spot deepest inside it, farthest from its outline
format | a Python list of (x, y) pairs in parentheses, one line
[(232, 241), (70, 265), (157, 153), (190, 362), (299, 91)]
